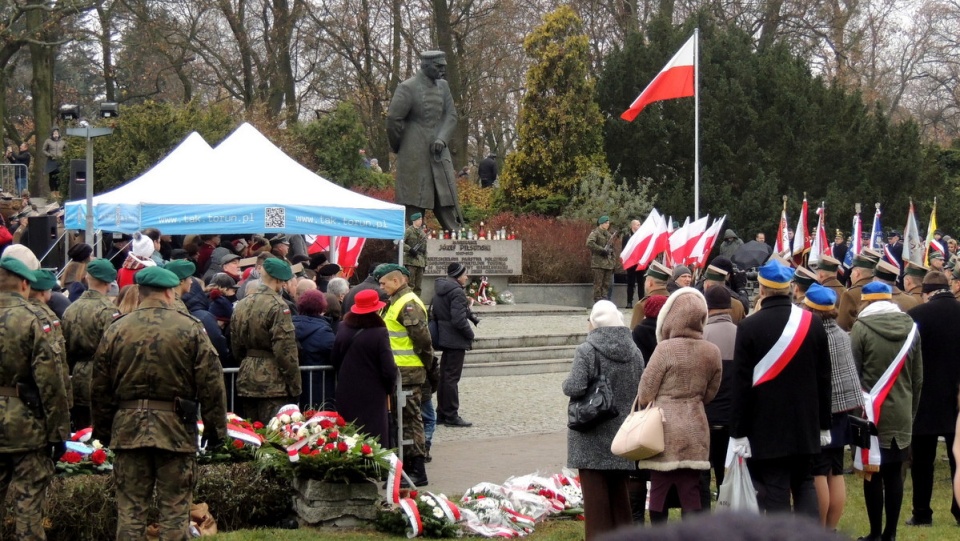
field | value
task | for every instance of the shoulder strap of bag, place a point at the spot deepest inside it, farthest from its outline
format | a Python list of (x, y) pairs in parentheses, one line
[(352, 338)]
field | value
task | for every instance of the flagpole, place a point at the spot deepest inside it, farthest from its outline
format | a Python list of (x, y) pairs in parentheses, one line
[(696, 123)]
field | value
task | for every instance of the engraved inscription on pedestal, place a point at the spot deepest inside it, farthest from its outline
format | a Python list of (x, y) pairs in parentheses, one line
[(481, 257)]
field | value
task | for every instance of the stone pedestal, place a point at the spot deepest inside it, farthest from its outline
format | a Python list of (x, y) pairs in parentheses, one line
[(318, 503)]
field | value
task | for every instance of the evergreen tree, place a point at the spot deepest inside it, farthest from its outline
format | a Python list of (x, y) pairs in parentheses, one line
[(560, 127)]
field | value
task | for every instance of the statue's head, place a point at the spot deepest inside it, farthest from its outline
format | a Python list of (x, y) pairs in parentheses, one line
[(434, 64)]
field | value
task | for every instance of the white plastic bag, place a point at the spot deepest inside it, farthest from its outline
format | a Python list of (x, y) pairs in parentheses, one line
[(737, 492)]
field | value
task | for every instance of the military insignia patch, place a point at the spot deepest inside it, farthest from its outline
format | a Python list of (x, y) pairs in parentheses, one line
[(46, 327)]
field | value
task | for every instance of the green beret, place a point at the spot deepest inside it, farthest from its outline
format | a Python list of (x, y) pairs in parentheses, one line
[(182, 268), (102, 270), (278, 268), (603, 219), (45, 281), (15, 266), (415, 216), (387, 268), (157, 277)]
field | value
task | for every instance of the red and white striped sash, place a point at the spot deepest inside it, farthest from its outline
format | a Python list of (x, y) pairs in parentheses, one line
[(783, 351)]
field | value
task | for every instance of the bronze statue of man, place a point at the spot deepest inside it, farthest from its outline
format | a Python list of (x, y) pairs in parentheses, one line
[(420, 122)]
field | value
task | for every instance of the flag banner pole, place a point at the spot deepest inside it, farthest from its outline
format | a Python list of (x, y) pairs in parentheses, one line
[(696, 124)]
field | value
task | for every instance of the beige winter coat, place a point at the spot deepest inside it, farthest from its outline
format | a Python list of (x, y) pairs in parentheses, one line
[(683, 374)]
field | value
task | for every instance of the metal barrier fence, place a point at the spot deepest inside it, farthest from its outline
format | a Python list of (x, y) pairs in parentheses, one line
[(308, 375), (8, 177)]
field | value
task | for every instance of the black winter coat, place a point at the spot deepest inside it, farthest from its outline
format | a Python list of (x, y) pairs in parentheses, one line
[(939, 317), (784, 416), (315, 343), (196, 298), (451, 310), (645, 336)]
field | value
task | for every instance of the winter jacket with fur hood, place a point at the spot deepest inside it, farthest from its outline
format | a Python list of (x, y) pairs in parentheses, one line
[(622, 363), (683, 374)]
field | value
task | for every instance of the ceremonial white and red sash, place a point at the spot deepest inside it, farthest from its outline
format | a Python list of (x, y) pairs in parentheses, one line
[(783, 351), (869, 459)]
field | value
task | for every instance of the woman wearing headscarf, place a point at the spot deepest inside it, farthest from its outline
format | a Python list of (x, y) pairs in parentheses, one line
[(683, 374), (315, 341), (603, 475)]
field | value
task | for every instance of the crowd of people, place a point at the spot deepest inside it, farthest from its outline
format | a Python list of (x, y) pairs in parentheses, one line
[(788, 384)]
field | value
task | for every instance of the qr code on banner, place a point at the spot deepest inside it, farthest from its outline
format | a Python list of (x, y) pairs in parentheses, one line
[(275, 217)]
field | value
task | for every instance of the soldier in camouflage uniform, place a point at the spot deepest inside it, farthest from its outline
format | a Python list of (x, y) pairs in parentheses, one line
[(40, 291), (184, 270), (406, 319), (415, 251), (84, 323), (153, 370), (34, 418), (262, 335), (602, 258)]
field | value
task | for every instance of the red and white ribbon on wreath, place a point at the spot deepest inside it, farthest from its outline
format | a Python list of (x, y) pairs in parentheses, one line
[(393, 479), (289, 409), (413, 515), (451, 511), (293, 450), (244, 434), (521, 519), (83, 435)]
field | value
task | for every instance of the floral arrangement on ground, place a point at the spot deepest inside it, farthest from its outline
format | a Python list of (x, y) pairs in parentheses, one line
[(84, 457)]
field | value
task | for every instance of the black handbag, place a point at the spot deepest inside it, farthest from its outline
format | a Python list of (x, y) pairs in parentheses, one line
[(595, 407), (860, 431)]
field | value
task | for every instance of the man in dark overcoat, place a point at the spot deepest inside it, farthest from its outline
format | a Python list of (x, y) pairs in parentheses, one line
[(781, 396), (937, 412)]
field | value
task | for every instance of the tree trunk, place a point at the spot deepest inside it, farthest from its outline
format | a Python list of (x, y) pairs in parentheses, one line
[(106, 48), (41, 91), (441, 18), (771, 23)]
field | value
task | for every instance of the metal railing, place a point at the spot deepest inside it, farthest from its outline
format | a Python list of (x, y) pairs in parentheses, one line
[(308, 376), (9, 172)]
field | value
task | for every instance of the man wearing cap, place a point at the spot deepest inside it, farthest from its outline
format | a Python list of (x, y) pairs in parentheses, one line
[(888, 274), (654, 283), (229, 264), (937, 412), (421, 122), (887, 351), (838, 250), (827, 274), (209, 243), (415, 251), (84, 323), (803, 278), (280, 247), (913, 280), (34, 411), (893, 250), (717, 277), (41, 291), (455, 336), (155, 372), (781, 396), (602, 258), (263, 338), (861, 274), (680, 277), (406, 320), (936, 260)]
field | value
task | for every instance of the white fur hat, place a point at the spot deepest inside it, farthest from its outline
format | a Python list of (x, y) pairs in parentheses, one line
[(142, 245), (606, 314)]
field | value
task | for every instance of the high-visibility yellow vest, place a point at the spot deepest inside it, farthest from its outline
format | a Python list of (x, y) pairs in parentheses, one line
[(400, 341)]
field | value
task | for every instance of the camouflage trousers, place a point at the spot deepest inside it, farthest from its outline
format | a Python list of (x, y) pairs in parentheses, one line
[(263, 409), (601, 283), (413, 424), (140, 472), (416, 278), (27, 476)]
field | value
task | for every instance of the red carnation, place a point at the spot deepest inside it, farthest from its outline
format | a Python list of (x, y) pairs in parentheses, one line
[(309, 413), (257, 425), (329, 447), (320, 441), (71, 457), (333, 436), (366, 449), (315, 452), (238, 444), (304, 450), (342, 447), (413, 494), (325, 424), (340, 421), (98, 457)]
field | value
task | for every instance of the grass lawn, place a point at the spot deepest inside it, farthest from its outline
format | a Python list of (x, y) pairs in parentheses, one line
[(853, 524)]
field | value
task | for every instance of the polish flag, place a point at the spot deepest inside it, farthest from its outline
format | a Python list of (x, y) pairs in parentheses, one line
[(820, 244), (646, 243), (678, 239), (347, 251), (782, 244), (675, 80), (695, 233), (701, 252)]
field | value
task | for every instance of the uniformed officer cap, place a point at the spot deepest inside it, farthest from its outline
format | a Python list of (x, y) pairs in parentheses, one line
[(805, 277), (157, 277), (820, 298), (658, 272), (828, 263), (182, 268), (775, 275), (278, 268), (330, 269), (415, 216), (916, 270), (864, 260), (876, 291), (15, 266), (715, 274), (102, 270), (934, 254), (387, 268), (871, 254), (886, 271), (46, 280), (433, 55)]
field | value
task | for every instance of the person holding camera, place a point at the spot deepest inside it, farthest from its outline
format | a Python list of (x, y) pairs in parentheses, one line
[(455, 336), (415, 251)]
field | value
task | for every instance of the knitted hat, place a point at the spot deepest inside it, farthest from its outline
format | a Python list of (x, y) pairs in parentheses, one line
[(679, 271), (142, 245), (820, 298), (455, 270), (718, 298), (156, 277), (775, 275), (876, 291), (22, 254), (653, 304), (102, 270), (79, 252), (606, 314)]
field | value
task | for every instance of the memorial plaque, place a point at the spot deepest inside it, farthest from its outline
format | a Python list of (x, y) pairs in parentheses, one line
[(480, 257)]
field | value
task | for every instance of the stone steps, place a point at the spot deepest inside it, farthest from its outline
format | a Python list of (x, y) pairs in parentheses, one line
[(517, 368), (518, 354)]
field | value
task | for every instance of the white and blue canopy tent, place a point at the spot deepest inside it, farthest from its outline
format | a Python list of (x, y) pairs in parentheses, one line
[(245, 185)]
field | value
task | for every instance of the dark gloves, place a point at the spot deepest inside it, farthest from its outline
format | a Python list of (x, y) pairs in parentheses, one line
[(608, 251), (413, 252), (474, 318), (57, 450), (433, 374)]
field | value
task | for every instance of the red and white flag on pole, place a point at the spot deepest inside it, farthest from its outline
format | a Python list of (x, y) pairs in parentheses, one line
[(346, 253), (694, 234), (675, 80), (646, 244), (678, 239), (782, 245), (820, 244), (701, 251)]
